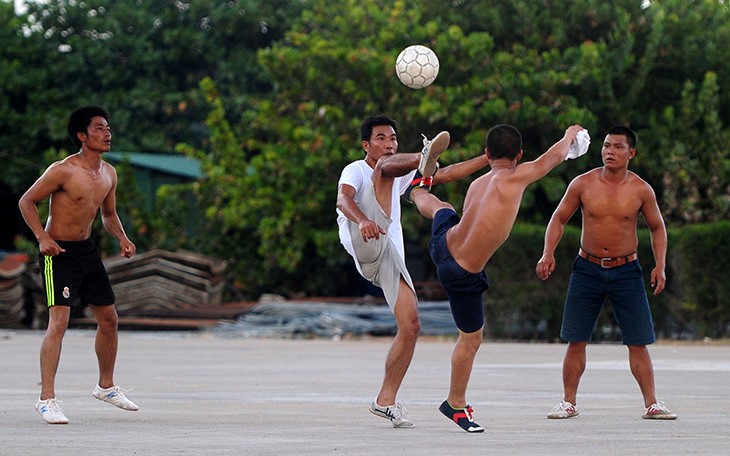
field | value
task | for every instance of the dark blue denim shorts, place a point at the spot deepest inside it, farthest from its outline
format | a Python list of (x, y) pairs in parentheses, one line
[(589, 286), (464, 288)]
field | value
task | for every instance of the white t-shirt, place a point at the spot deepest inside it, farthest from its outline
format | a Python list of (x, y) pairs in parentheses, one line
[(356, 174)]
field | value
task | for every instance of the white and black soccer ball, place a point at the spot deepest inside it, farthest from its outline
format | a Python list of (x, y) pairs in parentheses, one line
[(417, 66)]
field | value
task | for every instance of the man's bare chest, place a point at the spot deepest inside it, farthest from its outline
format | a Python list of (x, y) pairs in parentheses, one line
[(86, 190), (610, 202)]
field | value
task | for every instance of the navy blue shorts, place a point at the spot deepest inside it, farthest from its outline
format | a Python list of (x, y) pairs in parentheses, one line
[(589, 286), (78, 271), (464, 288)]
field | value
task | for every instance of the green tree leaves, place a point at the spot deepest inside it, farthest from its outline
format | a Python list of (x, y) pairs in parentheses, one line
[(270, 95)]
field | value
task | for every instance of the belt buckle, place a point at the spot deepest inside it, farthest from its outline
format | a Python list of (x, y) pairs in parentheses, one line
[(602, 262)]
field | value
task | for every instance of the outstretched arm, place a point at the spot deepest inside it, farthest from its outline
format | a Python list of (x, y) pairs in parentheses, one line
[(460, 170), (534, 170)]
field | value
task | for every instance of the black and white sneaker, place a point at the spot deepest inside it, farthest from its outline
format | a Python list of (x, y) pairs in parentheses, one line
[(396, 413), (462, 417)]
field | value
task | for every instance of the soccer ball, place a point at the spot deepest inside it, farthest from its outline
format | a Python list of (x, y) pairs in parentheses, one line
[(417, 66)]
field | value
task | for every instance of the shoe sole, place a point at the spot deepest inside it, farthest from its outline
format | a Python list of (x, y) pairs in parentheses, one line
[(660, 417), (56, 422), (115, 405), (403, 425), (435, 148), (563, 417), (377, 412), (52, 422)]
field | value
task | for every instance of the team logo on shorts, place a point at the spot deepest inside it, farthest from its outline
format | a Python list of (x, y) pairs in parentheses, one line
[(66, 292)]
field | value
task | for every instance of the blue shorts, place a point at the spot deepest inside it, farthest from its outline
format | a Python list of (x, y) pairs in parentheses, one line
[(589, 286), (464, 288)]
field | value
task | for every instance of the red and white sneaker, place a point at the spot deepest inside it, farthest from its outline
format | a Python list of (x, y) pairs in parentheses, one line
[(658, 411), (563, 410)]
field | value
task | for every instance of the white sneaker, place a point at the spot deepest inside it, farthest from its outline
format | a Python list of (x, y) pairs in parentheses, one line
[(658, 411), (563, 410), (430, 153), (51, 411), (396, 413), (115, 396)]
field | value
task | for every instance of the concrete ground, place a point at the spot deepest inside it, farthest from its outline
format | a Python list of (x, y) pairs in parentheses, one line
[(205, 394)]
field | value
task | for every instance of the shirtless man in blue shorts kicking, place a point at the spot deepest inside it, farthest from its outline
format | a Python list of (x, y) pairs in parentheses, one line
[(461, 247)]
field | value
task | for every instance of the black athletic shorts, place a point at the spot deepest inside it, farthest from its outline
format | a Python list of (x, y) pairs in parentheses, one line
[(77, 272)]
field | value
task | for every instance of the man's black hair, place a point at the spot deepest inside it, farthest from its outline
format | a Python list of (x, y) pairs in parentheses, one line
[(624, 131), (504, 141), (80, 120), (366, 128)]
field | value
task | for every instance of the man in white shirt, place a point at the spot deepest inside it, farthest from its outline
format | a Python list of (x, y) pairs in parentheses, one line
[(368, 215)]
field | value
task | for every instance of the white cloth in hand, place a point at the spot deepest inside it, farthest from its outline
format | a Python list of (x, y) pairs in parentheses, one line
[(580, 145)]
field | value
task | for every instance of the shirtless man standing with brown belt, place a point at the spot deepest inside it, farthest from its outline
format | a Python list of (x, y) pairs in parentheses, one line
[(611, 198)]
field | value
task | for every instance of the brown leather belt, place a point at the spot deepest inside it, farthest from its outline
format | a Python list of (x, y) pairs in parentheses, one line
[(608, 262)]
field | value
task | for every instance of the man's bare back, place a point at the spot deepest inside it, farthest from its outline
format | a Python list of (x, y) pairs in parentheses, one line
[(493, 201), (490, 210)]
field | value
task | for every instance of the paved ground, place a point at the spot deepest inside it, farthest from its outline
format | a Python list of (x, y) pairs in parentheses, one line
[(202, 394)]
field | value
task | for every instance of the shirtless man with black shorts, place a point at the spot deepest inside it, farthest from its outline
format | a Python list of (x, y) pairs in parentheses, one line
[(78, 186), (461, 247)]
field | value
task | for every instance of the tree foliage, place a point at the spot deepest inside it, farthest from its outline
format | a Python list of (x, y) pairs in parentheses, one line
[(269, 95), (26, 105), (141, 59), (540, 66)]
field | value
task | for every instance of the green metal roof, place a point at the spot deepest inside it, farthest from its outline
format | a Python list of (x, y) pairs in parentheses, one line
[(179, 165)]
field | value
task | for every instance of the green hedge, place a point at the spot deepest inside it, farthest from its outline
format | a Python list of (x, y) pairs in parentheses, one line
[(701, 260), (695, 303)]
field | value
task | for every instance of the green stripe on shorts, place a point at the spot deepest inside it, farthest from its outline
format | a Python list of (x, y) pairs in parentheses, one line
[(48, 276)]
